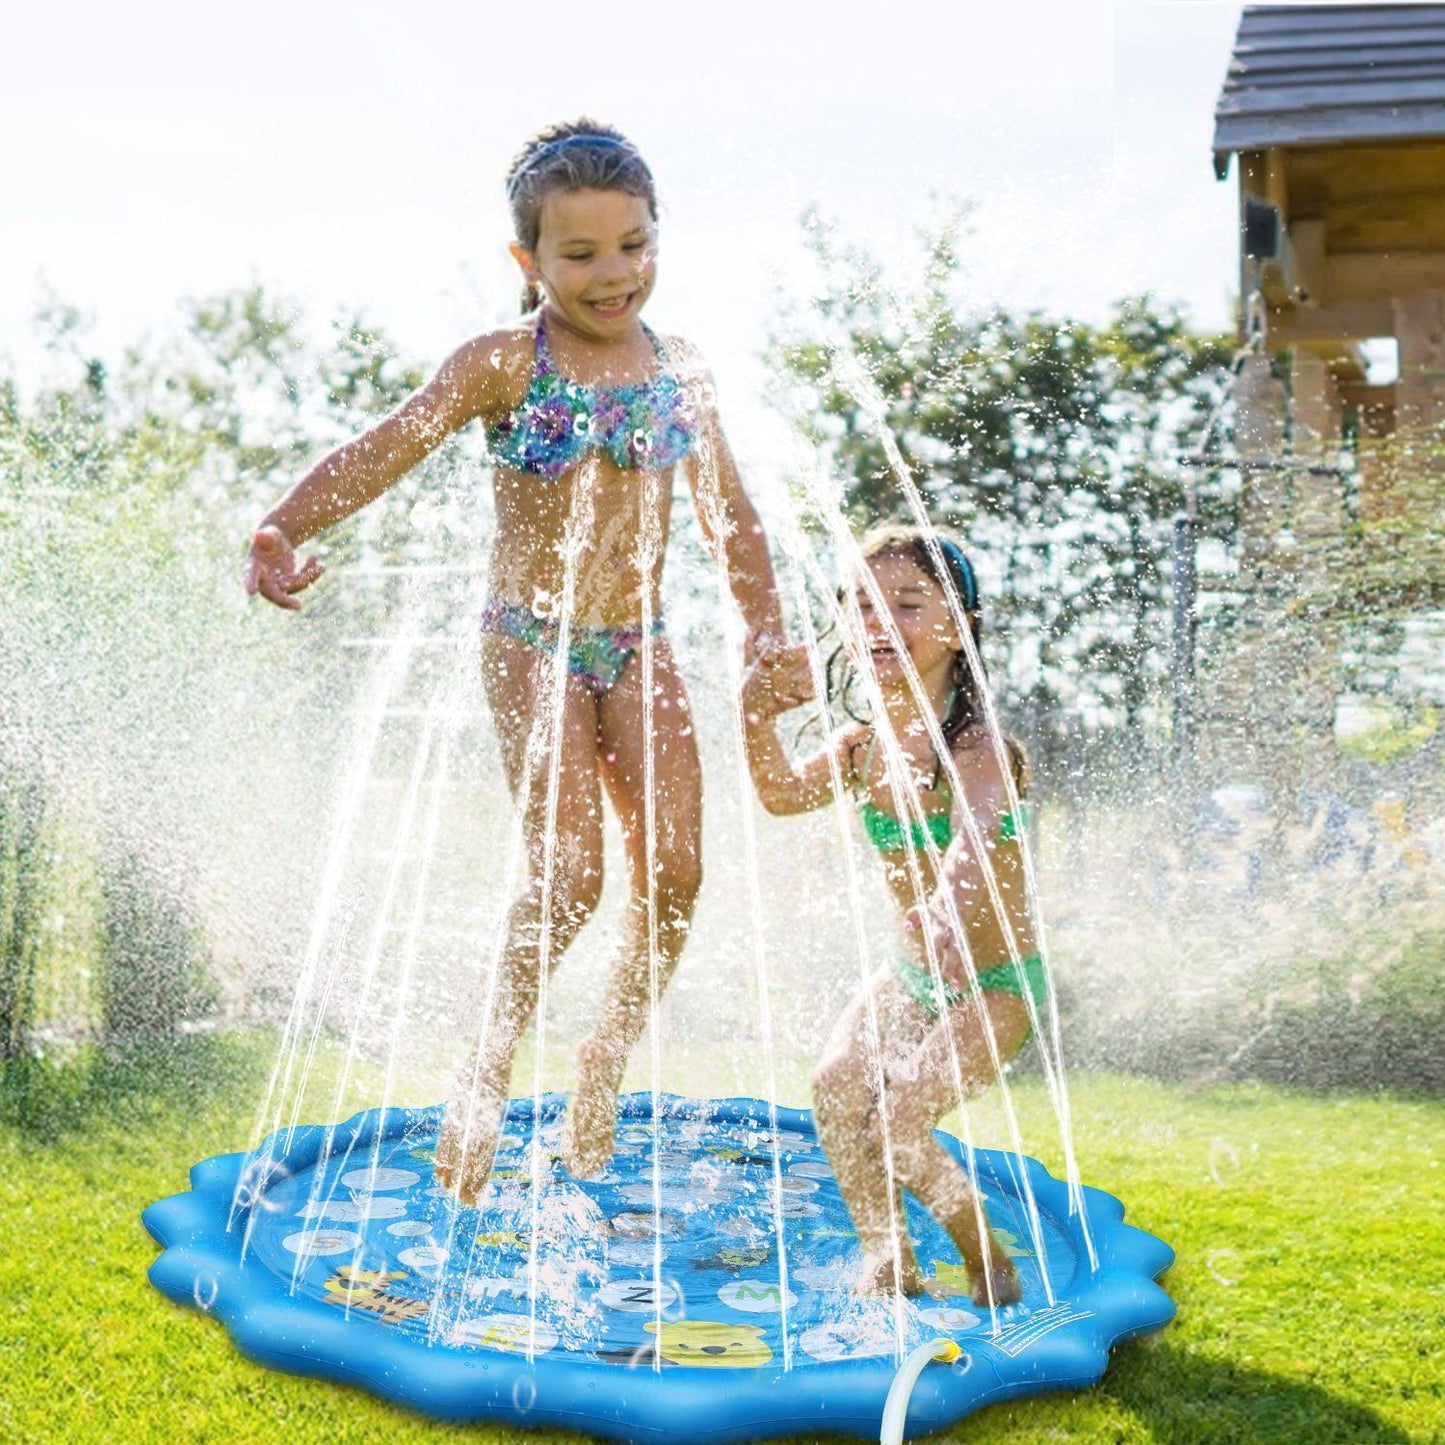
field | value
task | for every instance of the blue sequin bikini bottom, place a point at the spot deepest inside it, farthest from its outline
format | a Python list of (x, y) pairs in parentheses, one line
[(595, 655)]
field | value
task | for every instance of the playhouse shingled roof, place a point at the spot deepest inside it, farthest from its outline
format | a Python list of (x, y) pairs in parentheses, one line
[(1304, 75)]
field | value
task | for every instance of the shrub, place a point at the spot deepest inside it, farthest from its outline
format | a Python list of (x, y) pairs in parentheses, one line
[(22, 870), (154, 972), (1312, 1024)]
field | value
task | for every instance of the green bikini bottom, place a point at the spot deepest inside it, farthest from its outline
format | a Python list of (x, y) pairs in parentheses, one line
[(1025, 979)]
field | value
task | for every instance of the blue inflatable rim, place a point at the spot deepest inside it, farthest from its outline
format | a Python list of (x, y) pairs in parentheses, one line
[(1063, 1347)]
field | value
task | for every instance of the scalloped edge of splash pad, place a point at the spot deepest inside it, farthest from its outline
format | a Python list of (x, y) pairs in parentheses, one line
[(286, 1282)]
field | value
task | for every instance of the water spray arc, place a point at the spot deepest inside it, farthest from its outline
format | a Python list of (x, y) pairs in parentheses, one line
[(712, 516), (384, 680), (802, 564)]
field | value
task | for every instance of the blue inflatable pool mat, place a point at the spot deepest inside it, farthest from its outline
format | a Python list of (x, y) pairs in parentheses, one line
[(700, 1288)]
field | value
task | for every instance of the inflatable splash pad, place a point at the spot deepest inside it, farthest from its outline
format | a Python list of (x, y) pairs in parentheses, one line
[(700, 1288)]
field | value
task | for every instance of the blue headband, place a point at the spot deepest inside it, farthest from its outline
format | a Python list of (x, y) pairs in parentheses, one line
[(963, 567), (591, 141)]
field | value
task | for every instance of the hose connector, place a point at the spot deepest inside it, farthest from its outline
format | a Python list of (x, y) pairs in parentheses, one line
[(895, 1409)]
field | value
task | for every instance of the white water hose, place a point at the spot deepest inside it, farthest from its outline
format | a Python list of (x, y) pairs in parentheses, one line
[(895, 1409)]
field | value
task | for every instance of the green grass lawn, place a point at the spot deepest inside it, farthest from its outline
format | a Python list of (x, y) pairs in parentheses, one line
[(1309, 1232)]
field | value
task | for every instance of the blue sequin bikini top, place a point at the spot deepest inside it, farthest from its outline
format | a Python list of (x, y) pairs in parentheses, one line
[(644, 425)]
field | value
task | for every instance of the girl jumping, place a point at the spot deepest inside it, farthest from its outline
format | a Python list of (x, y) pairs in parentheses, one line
[(917, 1038), (587, 414)]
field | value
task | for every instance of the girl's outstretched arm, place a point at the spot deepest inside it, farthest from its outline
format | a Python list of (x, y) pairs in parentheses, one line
[(730, 523), (777, 681), (474, 381)]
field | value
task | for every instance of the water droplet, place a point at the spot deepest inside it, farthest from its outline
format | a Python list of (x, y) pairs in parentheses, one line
[(524, 1394), (642, 1358), (675, 1308), (1226, 1257), (1223, 1162), (257, 1181), (204, 1292)]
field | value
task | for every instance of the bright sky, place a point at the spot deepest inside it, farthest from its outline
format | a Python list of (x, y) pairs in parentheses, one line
[(352, 156)]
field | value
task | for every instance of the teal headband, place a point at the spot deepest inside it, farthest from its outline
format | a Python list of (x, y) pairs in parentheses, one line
[(962, 569), (585, 140)]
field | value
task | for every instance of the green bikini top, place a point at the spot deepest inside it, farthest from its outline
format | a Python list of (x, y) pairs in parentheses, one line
[(889, 835)]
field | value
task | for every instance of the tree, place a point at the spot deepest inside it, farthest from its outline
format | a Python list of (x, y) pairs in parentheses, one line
[(1052, 444)]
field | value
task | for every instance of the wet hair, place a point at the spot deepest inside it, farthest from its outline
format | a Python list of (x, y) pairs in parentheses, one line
[(967, 706), (574, 155)]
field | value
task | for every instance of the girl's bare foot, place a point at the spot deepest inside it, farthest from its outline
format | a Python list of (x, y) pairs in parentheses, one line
[(466, 1146), (587, 1133), (887, 1272), (1002, 1275), (997, 1283)]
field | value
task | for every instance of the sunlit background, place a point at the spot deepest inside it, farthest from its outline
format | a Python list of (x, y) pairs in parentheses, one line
[(352, 158)]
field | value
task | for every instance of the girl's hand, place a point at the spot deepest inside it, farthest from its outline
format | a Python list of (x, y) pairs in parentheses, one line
[(931, 932), (759, 642), (271, 569), (780, 679)]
